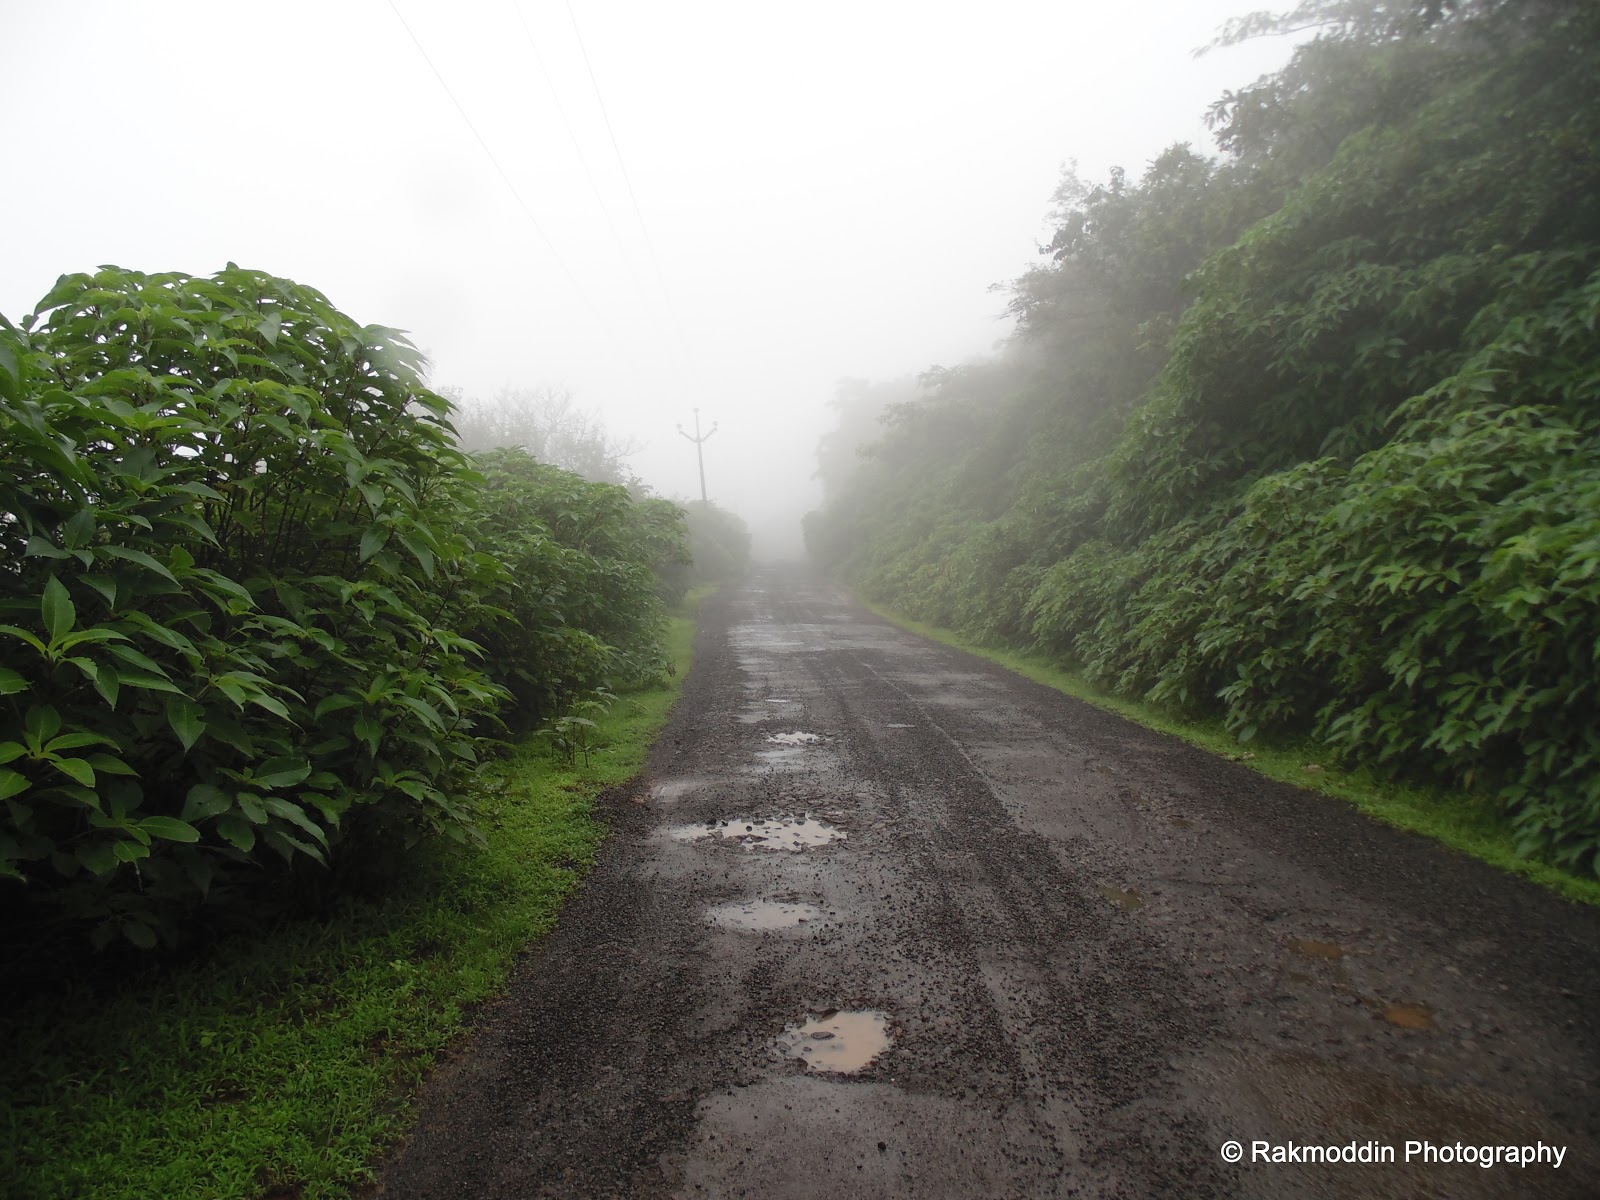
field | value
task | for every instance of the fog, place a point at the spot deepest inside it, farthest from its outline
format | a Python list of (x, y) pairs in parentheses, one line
[(653, 207)]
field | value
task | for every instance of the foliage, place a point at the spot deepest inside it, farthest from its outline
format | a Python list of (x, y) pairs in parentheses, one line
[(246, 581), (1304, 437), (719, 546), (584, 561), (286, 1062), (232, 572)]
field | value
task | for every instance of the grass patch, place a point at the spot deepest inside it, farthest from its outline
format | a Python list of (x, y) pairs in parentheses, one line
[(1471, 824), (283, 1063)]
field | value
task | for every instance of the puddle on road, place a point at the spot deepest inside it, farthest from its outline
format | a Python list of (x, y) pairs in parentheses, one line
[(796, 738), (762, 914), (900, 725), (1315, 949), (772, 701), (669, 790), (1126, 899), (1409, 1016), (774, 833), (842, 1042)]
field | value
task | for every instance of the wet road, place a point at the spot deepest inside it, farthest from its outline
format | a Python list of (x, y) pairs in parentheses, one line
[(884, 920)]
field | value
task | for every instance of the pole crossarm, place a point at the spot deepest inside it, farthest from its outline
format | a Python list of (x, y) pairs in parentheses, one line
[(699, 439)]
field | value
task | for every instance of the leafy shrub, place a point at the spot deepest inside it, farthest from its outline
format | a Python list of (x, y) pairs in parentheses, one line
[(230, 574), (582, 562)]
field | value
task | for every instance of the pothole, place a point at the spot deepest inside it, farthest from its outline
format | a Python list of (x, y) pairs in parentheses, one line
[(762, 914), (1409, 1016), (797, 738), (794, 833), (1126, 899), (669, 790), (841, 1042)]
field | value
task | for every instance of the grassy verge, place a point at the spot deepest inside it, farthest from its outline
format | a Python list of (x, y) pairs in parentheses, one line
[(1470, 824), (283, 1063)]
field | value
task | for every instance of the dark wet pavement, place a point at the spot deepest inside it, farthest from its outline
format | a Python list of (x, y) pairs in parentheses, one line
[(884, 920)]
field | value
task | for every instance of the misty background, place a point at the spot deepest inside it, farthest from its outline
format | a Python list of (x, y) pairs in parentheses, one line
[(649, 208)]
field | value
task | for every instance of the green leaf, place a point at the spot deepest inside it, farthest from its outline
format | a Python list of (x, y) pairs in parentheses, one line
[(108, 764), (271, 704), (170, 828), (57, 609), (25, 636), (74, 741), (235, 829), (108, 682), (139, 557), (331, 704), (140, 934), (12, 784), (282, 772), (373, 540), (187, 721), (11, 682), (103, 584), (97, 856), (79, 530), (43, 547), (138, 679), (43, 723), (77, 769), (205, 800), (290, 811), (420, 552)]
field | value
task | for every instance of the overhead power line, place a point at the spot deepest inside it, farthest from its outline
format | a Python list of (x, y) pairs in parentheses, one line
[(644, 228), (572, 136), (532, 220)]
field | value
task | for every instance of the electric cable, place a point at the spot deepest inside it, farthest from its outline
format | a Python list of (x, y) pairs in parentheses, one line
[(533, 220)]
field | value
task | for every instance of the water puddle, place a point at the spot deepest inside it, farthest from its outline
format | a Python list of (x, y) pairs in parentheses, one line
[(669, 790), (772, 701), (1409, 1016), (900, 725), (762, 914), (842, 1042), (795, 739), (774, 833), (1127, 899)]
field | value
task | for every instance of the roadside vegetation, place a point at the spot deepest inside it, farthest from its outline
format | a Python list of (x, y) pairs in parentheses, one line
[(303, 711), (1473, 824), (282, 1062), (1303, 439)]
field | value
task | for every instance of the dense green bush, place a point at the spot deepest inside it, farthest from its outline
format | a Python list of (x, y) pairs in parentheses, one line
[(584, 564), (241, 566), (719, 548), (1308, 436)]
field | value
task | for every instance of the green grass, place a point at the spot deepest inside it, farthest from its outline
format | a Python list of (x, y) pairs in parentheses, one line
[(1471, 824), (285, 1062)]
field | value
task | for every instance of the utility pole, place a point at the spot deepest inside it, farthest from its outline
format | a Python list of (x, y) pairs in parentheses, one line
[(699, 440)]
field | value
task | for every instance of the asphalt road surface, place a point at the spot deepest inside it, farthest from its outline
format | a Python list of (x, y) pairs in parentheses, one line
[(882, 919)]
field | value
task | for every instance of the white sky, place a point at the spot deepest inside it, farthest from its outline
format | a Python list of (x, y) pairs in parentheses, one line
[(829, 188)]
